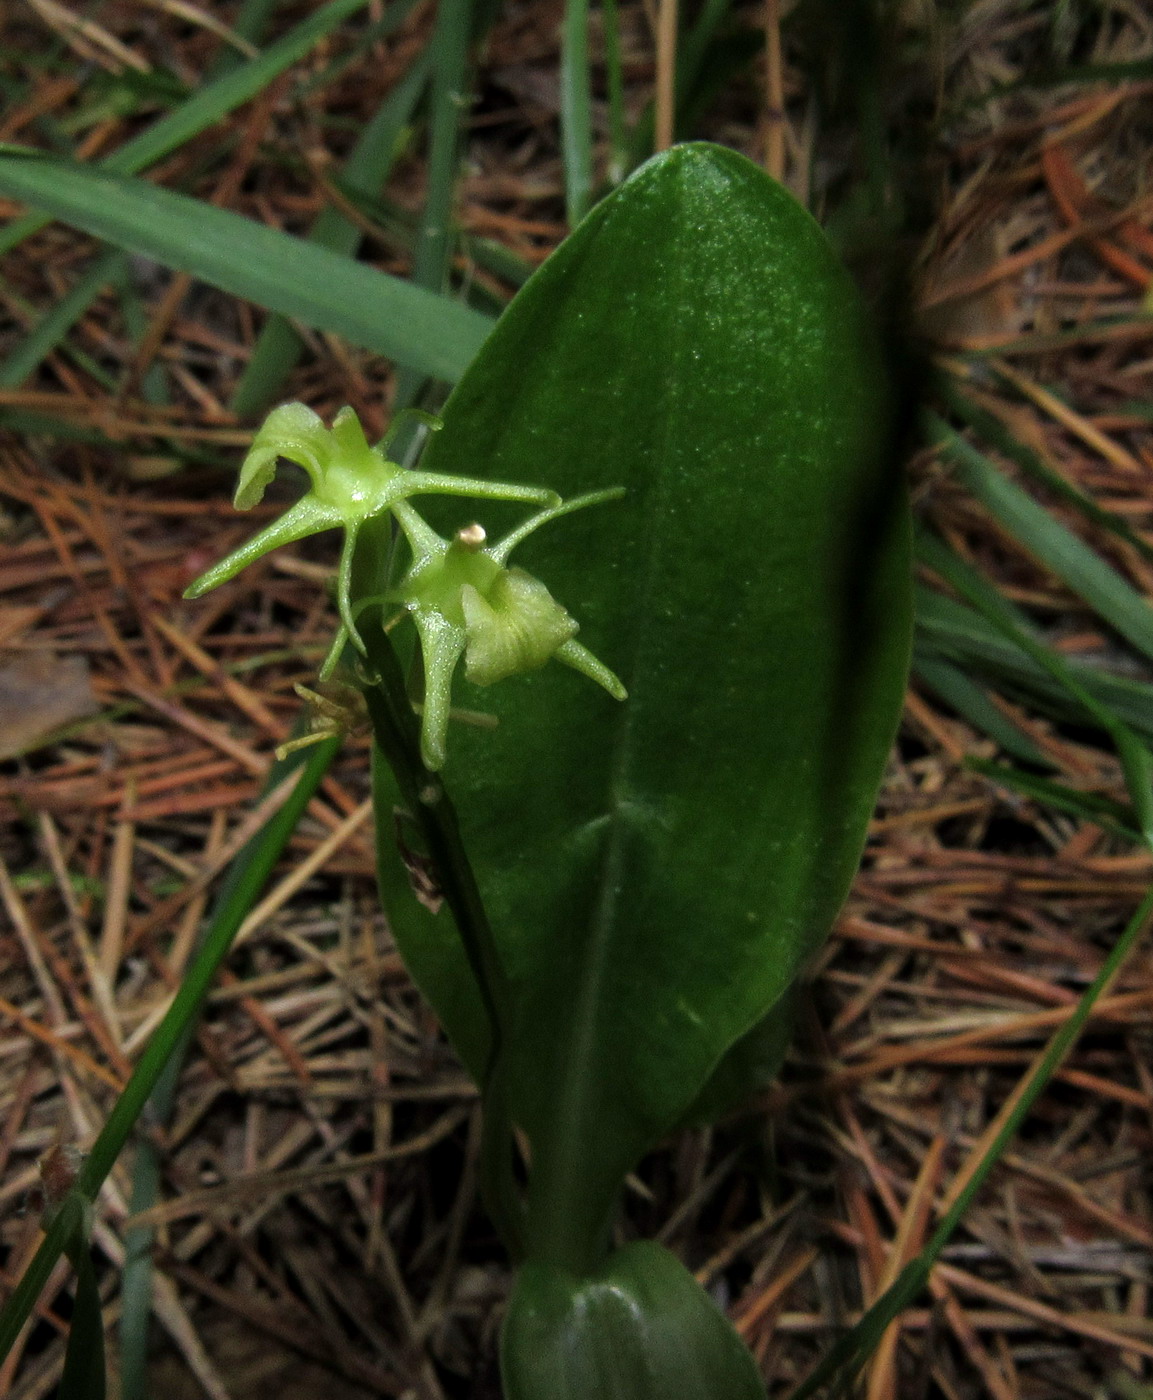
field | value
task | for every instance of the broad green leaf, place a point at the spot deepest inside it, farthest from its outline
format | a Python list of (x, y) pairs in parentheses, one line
[(657, 871), (640, 1328), (369, 308)]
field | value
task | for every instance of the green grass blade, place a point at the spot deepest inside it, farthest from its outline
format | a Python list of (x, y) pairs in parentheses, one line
[(973, 704), (429, 333), (83, 1377), (235, 85), (1136, 759), (137, 322), (449, 85), (432, 254), (854, 1349), (996, 433), (247, 876), (694, 70), (694, 47), (402, 228), (136, 1275), (614, 73), (234, 898), (251, 23), (54, 326), (253, 867), (279, 348), (951, 629), (1084, 571), (576, 110), (66, 1227), (1088, 806), (207, 106), (78, 356)]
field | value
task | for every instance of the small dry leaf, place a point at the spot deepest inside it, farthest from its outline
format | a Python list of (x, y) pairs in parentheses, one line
[(40, 693)]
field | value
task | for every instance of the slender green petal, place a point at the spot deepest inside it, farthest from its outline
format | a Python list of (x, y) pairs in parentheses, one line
[(502, 550), (291, 431)]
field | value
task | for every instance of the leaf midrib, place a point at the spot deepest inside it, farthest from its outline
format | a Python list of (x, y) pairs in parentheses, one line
[(580, 1090)]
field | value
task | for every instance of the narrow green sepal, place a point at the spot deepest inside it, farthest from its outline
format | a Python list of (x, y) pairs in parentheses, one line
[(306, 517)]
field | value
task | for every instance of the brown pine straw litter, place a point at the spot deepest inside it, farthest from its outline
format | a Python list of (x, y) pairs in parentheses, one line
[(319, 1228)]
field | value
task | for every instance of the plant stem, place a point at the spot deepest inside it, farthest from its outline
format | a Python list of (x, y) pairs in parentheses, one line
[(396, 732)]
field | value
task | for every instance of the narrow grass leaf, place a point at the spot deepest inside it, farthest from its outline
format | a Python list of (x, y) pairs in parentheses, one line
[(55, 325), (402, 228), (435, 235), (1136, 759), (449, 95), (234, 87), (278, 348), (614, 76), (995, 432), (952, 629), (368, 308), (576, 110), (972, 703), (234, 899), (251, 22), (246, 878), (1089, 806), (83, 1377), (846, 1358), (368, 38), (1084, 571), (694, 54), (136, 1275), (66, 1226)]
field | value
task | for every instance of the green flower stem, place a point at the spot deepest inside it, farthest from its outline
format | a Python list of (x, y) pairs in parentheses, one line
[(397, 733)]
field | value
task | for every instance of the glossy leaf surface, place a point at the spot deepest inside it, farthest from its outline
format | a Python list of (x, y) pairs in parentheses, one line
[(641, 1328), (657, 872)]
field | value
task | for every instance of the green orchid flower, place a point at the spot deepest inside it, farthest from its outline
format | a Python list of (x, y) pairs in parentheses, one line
[(351, 483), (465, 600)]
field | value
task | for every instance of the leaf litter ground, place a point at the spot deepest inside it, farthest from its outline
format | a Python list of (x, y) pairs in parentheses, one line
[(318, 1224)]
